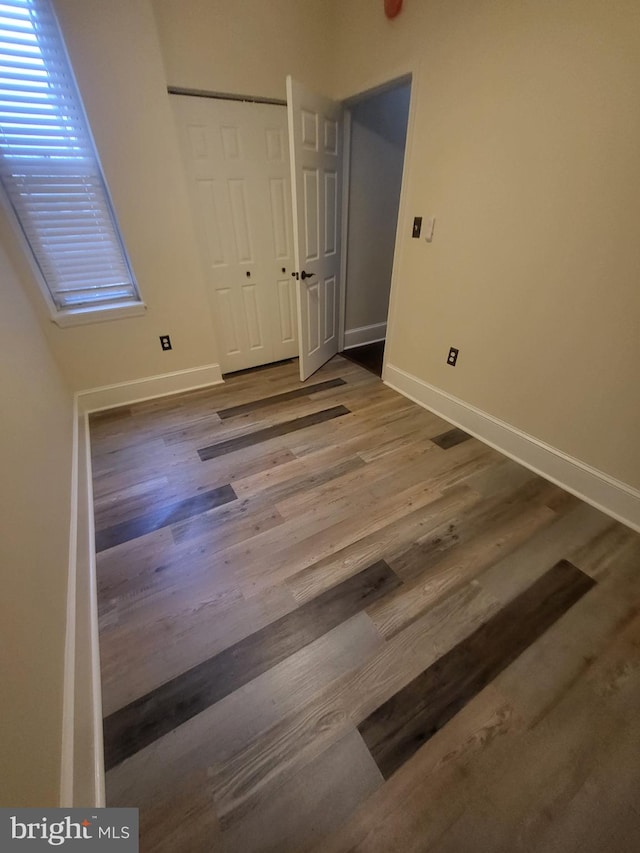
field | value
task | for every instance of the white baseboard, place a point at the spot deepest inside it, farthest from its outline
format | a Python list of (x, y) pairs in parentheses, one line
[(148, 388), (612, 496), (68, 684), (82, 762), (364, 335)]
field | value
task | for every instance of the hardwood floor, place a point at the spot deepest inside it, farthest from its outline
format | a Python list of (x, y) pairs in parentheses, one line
[(331, 621)]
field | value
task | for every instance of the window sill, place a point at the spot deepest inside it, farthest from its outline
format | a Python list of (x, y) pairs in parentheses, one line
[(85, 316)]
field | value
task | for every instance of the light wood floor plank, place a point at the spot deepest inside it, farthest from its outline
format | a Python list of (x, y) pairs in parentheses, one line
[(385, 541), (455, 569), (310, 804)]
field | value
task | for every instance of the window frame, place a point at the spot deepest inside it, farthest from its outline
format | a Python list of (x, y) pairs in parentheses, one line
[(65, 316)]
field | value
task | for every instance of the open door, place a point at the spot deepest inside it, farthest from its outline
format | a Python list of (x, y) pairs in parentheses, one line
[(315, 142)]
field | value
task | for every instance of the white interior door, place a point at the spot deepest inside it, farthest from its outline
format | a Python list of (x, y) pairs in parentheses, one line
[(315, 143), (236, 155)]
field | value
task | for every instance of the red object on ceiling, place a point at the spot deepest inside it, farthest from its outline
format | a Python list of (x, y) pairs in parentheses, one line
[(392, 8)]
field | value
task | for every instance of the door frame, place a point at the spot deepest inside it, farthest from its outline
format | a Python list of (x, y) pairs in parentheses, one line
[(401, 76)]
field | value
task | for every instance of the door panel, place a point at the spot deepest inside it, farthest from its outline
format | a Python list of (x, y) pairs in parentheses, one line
[(280, 218), (240, 219), (311, 201), (230, 143), (315, 132), (228, 318), (236, 157), (209, 205), (313, 324), (252, 314), (330, 314), (276, 141), (287, 310), (331, 213)]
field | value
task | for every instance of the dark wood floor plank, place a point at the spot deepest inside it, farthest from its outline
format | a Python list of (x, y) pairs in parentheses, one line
[(141, 722), (255, 405), (260, 435), (397, 729), (450, 438), (163, 516)]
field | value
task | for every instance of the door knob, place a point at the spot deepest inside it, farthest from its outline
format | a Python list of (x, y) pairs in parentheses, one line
[(304, 275)]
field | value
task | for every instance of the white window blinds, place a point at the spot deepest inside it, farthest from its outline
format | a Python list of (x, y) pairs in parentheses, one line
[(48, 165)]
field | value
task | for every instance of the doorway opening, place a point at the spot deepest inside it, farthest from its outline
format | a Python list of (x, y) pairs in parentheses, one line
[(375, 141)]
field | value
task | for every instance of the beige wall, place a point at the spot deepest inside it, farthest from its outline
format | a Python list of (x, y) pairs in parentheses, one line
[(35, 451), (116, 57), (378, 131), (525, 147), (245, 46)]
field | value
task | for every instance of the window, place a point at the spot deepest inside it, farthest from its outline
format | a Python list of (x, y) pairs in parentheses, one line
[(50, 171)]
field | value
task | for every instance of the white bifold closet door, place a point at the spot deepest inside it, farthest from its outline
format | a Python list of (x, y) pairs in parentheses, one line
[(236, 156)]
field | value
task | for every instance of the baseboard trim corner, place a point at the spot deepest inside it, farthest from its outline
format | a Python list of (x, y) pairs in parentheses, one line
[(611, 496), (364, 335), (148, 388)]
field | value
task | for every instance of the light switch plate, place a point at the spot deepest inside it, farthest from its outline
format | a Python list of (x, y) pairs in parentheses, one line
[(428, 228)]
